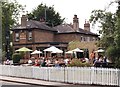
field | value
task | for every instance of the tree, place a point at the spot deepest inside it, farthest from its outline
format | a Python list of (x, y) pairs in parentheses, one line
[(10, 14), (51, 17), (0, 25), (107, 21), (110, 25)]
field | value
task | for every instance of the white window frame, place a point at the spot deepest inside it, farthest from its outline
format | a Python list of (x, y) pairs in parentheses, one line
[(29, 35), (17, 36)]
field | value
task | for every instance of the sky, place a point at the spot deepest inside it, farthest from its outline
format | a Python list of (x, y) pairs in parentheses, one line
[(68, 8)]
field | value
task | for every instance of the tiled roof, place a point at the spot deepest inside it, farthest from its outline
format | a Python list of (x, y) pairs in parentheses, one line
[(65, 28), (86, 32), (35, 24)]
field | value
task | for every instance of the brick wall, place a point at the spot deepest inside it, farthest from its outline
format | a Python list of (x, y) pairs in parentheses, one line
[(43, 36), (64, 37), (71, 37), (48, 36), (22, 37)]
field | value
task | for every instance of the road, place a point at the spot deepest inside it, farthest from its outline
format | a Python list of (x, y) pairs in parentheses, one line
[(14, 84)]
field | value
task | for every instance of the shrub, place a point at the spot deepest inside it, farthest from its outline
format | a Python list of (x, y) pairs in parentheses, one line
[(78, 63), (16, 57), (22, 53)]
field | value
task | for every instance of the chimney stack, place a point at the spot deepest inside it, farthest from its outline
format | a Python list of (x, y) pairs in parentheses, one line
[(23, 21), (75, 23), (87, 26), (42, 20)]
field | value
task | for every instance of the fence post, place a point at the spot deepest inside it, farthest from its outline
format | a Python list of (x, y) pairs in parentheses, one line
[(118, 77), (64, 73), (92, 75)]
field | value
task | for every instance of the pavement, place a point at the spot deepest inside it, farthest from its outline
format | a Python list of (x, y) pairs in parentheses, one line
[(42, 83), (33, 81)]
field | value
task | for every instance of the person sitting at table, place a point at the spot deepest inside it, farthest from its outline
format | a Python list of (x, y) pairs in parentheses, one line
[(56, 63), (37, 62), (43, 63), (66, 61), (47, 62)]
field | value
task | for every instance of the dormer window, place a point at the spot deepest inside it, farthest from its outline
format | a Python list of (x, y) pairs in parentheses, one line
[(17, 38), (29, 35)]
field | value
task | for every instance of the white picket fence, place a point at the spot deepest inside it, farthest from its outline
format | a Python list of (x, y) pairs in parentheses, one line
[(79, 75)]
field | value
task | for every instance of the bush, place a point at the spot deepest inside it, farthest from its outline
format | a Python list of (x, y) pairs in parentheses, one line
[(113, 53), (22, 53), (78, 63), (16, 57)]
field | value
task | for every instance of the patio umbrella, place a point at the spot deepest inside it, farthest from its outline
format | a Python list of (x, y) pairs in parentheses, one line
[(23, 49), (57, 51), (36, 52), (53, 49), (69, 52), (77, 50)]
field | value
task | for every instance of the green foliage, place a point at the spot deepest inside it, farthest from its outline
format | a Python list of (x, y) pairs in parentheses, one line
[(110, 25), (52, 17), (0, 25), (113, 54), (73, 44), (13, 9), (110, 52), (78, 63), (10, 14), (16, 57), (22, 53)]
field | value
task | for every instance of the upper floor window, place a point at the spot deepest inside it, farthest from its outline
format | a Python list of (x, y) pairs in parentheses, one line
[(91, 39), (81, 38), (84, 38), (30, 35), (94, 39), (17, 36), (88, 39)]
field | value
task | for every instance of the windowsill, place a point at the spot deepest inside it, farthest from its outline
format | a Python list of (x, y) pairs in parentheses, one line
[(29, 40), (16, 41), (22, 38)]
